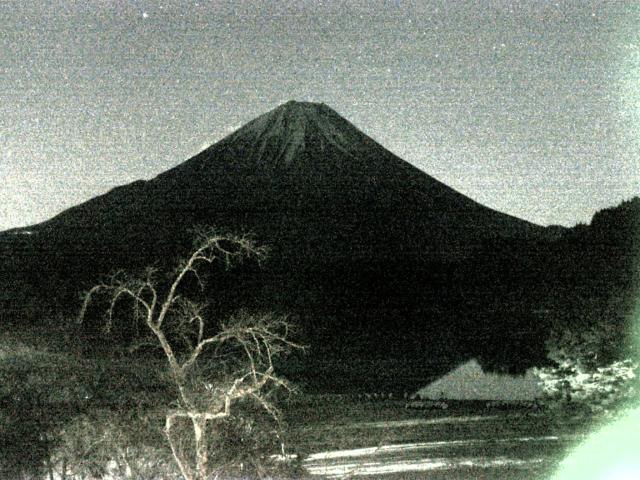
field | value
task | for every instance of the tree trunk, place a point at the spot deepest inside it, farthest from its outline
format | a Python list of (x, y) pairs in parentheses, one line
[(185, 469), (200, 431), (49, 468)]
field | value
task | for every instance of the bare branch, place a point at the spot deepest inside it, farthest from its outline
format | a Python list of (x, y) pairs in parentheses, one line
[(268, 407), (197, 351), (139, 343)]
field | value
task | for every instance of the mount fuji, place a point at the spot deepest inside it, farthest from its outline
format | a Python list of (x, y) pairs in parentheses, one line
[(379, 262)]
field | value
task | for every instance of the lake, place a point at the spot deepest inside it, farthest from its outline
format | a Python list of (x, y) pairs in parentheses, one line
[(342, 437)]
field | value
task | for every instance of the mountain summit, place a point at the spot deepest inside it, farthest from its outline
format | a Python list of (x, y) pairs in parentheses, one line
[(366, 249), (283, 133), (291, 136)]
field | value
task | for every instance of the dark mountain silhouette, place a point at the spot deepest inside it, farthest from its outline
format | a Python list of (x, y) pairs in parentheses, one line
[(302, 160), (393, 276)]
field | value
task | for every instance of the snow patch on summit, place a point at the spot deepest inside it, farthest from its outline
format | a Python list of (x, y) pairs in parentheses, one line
[(333, 135), (292, 126), (289, 127)]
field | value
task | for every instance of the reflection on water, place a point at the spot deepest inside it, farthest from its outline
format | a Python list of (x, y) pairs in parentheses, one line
[(458, 455)]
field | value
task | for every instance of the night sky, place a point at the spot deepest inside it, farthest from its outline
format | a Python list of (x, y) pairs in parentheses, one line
[(529, 107)]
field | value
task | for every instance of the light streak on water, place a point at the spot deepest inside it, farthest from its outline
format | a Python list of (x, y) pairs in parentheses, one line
[(356, 469), (382, 460)]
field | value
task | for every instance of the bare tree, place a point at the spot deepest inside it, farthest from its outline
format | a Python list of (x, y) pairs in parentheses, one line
[(242, 351)]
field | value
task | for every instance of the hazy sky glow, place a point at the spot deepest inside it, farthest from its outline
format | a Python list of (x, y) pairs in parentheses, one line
[(531, 108)]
